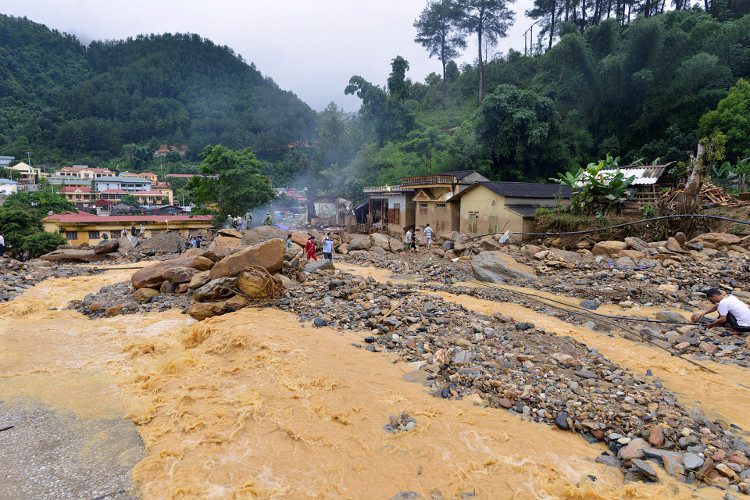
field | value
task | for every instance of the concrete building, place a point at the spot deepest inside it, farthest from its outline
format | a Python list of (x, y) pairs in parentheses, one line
[(83, 227), (143, 175), (434, 198), (496, 207), (66, 180), (144, 197), (390, 208), (83, 172), (127, 184), (8, 186), (25, 173), (80, 195)]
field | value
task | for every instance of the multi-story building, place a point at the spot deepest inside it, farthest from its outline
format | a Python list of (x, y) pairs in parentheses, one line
[(149, 198), (143, 175), (128, 184), (80, 195), (83, 172)]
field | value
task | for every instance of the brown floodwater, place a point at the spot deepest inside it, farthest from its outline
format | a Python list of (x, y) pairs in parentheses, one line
[(254, 404)]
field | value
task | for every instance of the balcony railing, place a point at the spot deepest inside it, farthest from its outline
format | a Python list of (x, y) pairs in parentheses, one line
[(386, 189), (428, 180)]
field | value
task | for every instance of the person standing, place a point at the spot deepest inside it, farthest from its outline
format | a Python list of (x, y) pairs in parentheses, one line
[(268, 221), (132, 230), (289, 242), (408, 238), (328, 247), (428, 236), (310, 249), (2, 245)]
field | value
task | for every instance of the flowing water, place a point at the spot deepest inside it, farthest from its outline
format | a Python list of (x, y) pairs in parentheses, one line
[(253, 404)]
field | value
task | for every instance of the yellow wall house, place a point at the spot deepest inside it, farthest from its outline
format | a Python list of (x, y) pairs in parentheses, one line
[(83, 227), (496, 207), (434, 198)]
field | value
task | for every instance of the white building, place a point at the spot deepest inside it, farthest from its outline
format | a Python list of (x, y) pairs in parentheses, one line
[(127, 184), (8, 186)]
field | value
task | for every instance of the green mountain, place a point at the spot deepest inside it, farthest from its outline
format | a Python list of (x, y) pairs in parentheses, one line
[(66, 102)]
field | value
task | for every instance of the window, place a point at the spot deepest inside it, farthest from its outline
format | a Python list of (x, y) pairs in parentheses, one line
[(423, 209), (440, 206), (473, 222), (71, 235), (94, 235)]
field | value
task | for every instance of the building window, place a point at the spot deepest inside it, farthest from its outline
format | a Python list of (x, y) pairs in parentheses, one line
[(71, 235), (423, 209), (94, 235), (440, 206), (473, 222)]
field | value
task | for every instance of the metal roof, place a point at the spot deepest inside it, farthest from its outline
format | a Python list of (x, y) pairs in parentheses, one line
[(124, 180), (522, 189), (526, 211), (644, 176)]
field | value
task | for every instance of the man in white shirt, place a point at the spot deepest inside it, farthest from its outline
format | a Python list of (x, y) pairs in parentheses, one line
[(428, 236), (2, 245), (733, 313)]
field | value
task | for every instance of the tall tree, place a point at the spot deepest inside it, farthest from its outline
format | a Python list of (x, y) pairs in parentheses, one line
[(437, 32), (489, 20), (398, 87)]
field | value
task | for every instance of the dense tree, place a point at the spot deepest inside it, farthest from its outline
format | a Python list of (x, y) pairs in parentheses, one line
[(38, 203), (398, 86), (437, 32), (732, 118), (489, 20), (239, 187)]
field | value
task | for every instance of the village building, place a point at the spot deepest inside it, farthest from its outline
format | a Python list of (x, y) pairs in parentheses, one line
[(80, 195), (434, 198), (83, 172), (82, 227), (164, 188), (332, 211), (65, 180), (167, 149), (8, 187), (147, 198), (143, 175), (25, 173), (490, 208), (128, 184), (647, 183), (388, 208)]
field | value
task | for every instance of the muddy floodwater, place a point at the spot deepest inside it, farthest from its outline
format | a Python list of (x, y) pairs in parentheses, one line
[(255, 404)]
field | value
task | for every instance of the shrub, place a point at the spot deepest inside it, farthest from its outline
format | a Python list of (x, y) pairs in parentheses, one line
[(40, 243)]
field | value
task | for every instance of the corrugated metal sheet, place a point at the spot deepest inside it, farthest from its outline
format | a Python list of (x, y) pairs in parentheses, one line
[(644, 176)]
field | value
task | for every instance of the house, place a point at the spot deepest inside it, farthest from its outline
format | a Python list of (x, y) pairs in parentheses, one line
[(164, 188), (434, 198), (83, 172), (83, 227), (79, 194), (66, 180), (496, 207), (389, 208), (8, 186), (25, 173), (165, 150), (646, 187), (143, 197), (144, 175), (128, 184), (5, 161), (332, 211)]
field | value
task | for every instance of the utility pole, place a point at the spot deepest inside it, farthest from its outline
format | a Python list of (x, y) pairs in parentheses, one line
[(530, 31)]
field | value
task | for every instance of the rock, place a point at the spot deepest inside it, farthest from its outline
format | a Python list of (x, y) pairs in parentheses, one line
[(717, 240), (407, 495), (257, 287), (161, 243), (153, 276), (198, 280), (633, 450), (726, 471), (269, 255), (561, 421), (320, 265), (143, 295), (635, 243), (670, 316), (667, 288), (215, 290), (360, 242), (563, 359), (320, 322), (680, 237), (75, 255), (202, 263), (106, 246), (632, 254), (261, 234), (231, 233), (236, 303), (203, 310), (607, 459), (674, 246), (644, 468), (566, 256), (609, 248), (708, 348), (656, 436), (590, 304), (495, 267), (691, 461), (379, 240), (177, 275), (222, 244)]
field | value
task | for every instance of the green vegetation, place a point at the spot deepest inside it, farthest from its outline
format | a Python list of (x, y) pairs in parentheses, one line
[(118, 100), (21, 222), (594, 191), (240, 186)]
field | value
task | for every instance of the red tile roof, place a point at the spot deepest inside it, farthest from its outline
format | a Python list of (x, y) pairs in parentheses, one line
[(73, 189), (114, 191), (80, 217), (147, 193)]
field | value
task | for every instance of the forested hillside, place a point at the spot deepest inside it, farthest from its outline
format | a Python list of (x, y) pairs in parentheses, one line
[(636, 90), (67, 102)]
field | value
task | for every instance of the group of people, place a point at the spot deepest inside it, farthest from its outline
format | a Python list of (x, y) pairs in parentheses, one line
[(139, 232), (410, 239), (193, 242), (243, 223), (311, 247)]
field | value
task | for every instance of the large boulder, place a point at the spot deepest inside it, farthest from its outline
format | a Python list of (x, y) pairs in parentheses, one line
[(76, 255), (269, 255), (609, 248), (560, 255), (177, 275), (495, 267), (635, 243), (154, 275), (360, 242), (263, 233), (203, 310), (717, 240), (223, 243), (202, 263), (161, 243), (321, 265), (218, 289), (106, 246), (380, 240), (230, 233)]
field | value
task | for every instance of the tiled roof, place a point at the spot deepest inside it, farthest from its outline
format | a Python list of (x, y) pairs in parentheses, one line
[(522, 189), (82, 217), (114, 191), (73, 189), (148, 193), (526, 211)]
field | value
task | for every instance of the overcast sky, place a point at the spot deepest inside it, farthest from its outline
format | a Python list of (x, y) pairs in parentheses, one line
[(311, 47)]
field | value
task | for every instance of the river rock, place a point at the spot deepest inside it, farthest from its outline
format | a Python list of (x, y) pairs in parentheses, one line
[(496, 267), (203, 310), (154, 275), (360, 242), (320, 265), (691, 461), (143, 295), (75, 255), (262, 234), (633, 450), (380, 240), (269, 255), (202, 263), (177, 275), (214, 290), (609, 248), (717, 240), (106, 246)]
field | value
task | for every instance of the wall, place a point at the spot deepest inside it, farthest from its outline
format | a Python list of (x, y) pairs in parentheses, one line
[(114, 229), (493, 216)]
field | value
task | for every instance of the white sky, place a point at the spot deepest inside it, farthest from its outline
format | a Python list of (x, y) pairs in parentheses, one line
[(311, 47)]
